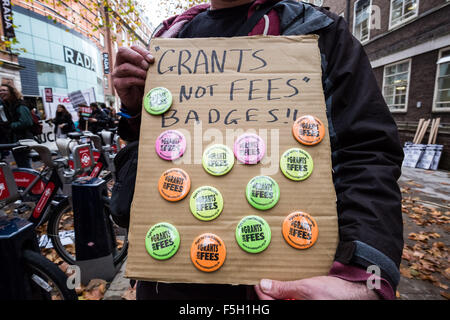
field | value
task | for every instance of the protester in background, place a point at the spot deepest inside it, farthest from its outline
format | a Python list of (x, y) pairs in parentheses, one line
[(114, 118), (5, 128), (104, 108), (21, 121), (98, 120), (63, 122)]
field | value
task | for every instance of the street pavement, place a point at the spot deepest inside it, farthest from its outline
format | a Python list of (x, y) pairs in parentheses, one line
[(428, 189)]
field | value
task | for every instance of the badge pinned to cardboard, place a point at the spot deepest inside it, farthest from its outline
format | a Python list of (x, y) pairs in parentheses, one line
[(223, 88)]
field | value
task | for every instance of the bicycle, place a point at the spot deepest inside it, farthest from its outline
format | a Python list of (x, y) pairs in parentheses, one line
[(25, 273), (55, 207)]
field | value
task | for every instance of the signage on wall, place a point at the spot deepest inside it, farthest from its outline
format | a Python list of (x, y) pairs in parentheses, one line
[(77, 58), (7, 19), (106, 63), (48, 95)]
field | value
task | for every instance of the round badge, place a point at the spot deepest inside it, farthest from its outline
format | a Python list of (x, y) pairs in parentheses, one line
[(296, 164), (218, 160), (249, 148), (157, 101), (263, 192), (300, 230), (174, 184), (206, 203), (162, 241), (170, 145), (308, 130), (208, 252), (253, 234)]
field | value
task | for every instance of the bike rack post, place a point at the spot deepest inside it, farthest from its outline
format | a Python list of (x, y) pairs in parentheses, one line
[(93, 238), (15, 234)]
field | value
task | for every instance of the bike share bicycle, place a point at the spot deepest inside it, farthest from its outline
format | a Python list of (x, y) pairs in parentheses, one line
[(24, 272), (55, 207)]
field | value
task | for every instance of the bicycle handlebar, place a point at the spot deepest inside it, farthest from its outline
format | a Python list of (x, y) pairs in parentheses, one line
[(9, 146)]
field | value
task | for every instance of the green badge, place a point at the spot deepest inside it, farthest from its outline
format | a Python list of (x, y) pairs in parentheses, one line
[(296, 164), (253, 234), (158, 100), (263, 192), (162, 241), (206, 203), (218, 160)]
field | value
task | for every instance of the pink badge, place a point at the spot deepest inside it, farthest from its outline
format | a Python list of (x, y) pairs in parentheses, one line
[(249, 148), (170, 145)]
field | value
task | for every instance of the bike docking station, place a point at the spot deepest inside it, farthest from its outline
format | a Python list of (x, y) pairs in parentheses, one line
[(16, 234), (94, 235)]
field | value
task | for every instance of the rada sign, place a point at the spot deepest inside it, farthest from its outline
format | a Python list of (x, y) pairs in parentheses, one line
[(78, 58)]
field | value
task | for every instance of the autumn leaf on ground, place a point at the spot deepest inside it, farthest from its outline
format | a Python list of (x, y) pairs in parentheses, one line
[(129, 294), (95, 290)]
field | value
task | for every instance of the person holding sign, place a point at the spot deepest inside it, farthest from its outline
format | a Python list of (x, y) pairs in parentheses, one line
[(366, 151)]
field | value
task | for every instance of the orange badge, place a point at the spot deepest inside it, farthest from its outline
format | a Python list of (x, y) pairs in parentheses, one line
[(300, 230), (308, 130), (174, 184), (208, 252)]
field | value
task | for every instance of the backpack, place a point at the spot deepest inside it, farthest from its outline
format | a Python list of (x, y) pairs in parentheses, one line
[(36, 129)]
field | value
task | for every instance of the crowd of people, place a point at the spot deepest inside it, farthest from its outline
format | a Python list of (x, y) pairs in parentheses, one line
[(18, 121)]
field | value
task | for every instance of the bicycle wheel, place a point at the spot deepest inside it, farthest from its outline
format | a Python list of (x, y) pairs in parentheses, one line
[(61, 230), (46, 281)]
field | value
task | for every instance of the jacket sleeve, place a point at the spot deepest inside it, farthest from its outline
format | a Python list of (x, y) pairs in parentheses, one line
[(25, 120), (366, 156)]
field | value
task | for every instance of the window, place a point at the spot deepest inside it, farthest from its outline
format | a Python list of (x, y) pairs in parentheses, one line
[(442, 91), (396, 85), (402, 11), (51, 75), (102, 40), (361, 23)]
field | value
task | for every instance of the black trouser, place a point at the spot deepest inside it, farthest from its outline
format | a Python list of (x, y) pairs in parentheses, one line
[(192, 291)]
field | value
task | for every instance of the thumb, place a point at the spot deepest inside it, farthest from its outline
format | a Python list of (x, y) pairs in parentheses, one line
[(281, 289)]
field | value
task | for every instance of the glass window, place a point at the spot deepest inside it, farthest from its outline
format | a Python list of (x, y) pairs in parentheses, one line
[(396, 85), (402, 10), (443, 82), (361, 25), (51, 75)]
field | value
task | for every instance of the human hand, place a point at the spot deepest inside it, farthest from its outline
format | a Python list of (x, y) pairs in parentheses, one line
[(129, 75), (317, 288), (92, 120)]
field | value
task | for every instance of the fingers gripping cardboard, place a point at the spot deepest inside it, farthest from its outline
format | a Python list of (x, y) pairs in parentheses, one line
[(223, 88)]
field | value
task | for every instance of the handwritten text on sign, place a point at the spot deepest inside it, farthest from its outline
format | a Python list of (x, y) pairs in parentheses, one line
[(248, 62)]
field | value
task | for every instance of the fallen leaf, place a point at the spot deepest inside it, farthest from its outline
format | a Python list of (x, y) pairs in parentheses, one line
[(446, 295), (129, 294)]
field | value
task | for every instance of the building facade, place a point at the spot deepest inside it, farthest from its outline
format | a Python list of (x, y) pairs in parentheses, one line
[(408, 44), (70, 45)]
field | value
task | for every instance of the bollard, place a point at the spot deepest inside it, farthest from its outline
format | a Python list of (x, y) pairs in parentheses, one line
[(93, 239)]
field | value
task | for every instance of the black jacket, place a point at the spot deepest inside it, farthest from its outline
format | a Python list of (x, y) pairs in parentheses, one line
[(366, 150), (64, 119)]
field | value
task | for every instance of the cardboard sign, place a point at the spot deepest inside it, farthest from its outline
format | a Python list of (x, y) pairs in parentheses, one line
[(222, 88)]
